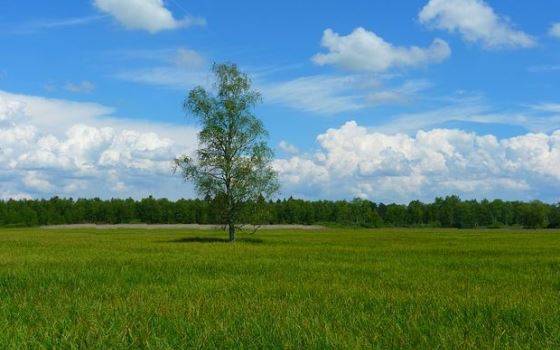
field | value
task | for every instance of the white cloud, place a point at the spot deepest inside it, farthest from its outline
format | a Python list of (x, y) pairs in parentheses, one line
[(45, 24), (33, 180), (55, 115), (85, 152), (476, 21), (189, 59), (169, 77), (182, 68), (150, 15), (81, 87), (465, 109), (548, 107), (402, 94), (288, 148), (321, 94), (334, 94), (179, 68), (356, 162), (555, 30), (92, 154), (363, 50)]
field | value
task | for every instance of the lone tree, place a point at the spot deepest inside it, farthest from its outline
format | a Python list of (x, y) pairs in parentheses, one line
[(232, 165)]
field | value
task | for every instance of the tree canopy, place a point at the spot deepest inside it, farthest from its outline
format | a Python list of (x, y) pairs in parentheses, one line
[(443, 212), (232, 165)]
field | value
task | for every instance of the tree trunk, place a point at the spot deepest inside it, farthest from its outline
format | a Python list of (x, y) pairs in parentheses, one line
[(231, 227)]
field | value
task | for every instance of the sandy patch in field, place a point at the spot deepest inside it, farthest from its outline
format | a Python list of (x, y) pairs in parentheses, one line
[(181, 226)]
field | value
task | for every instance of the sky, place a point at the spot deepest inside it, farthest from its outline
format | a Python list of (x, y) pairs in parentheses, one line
[(386, 100)]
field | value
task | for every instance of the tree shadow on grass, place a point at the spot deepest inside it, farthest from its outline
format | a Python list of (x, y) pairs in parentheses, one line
[(214, 240)]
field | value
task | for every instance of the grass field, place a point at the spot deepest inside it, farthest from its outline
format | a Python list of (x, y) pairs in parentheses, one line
[(412, 289)]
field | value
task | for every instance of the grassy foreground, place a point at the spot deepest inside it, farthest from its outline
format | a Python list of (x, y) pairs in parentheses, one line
[(279, 289)]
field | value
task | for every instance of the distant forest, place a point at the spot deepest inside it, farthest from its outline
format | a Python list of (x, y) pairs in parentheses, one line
[(443, 212)]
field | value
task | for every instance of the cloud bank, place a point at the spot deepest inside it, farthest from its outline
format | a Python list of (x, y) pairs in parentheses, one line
[(58, 147), (353, 161), (96, 156)]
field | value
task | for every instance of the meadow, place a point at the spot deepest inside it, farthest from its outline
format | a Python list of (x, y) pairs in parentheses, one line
[(334, 288)]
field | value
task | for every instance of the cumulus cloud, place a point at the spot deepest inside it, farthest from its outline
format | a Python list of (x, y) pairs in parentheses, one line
[(555, 30), (53, 114), (476, 21), (33, 180), (86, 155), (149, 15), (363, 50), (89, 153), (356, 162)]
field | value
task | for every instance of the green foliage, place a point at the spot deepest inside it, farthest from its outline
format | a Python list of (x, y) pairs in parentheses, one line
[(232, 165), (333, 289), (443, 212)]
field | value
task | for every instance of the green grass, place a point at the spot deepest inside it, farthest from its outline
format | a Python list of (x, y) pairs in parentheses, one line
[(279, 289)]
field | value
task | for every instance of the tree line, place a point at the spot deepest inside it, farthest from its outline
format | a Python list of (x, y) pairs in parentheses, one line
[(450, 211)]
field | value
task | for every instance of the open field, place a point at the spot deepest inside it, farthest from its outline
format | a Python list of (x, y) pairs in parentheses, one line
[(133, 288)]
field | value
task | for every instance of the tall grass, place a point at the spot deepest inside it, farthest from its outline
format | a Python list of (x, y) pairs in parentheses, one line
[(279, 289)]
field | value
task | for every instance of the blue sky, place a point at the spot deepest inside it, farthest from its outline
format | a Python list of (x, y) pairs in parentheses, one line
[(388, 100)]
